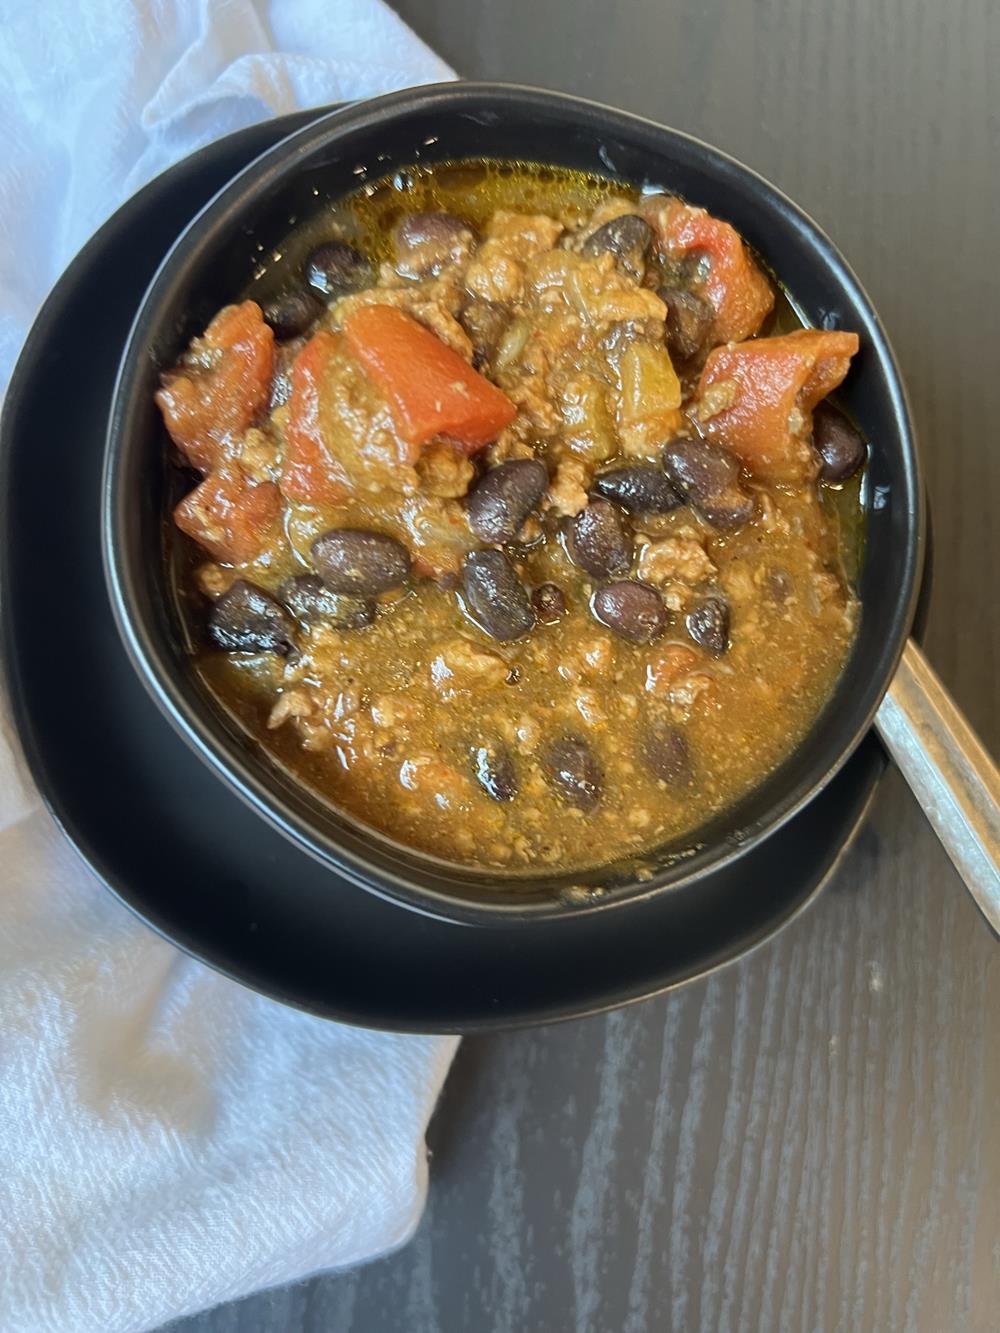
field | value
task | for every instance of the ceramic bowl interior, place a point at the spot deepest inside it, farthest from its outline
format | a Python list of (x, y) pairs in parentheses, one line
[(214, 261)]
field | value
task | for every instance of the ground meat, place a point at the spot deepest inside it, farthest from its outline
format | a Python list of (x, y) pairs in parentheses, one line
[(739, 583), (201, 355), (445, 325), (510, 443), (439, 782), (568, 488), (444, 470), (291, 703), (590, 708), (496, 271), (436, 533), (393, 712), (529, 381), (681, 559), (523, 234), (606, 297), (595, 291), (717, 398), (259, 456), (213, 580), (530, 531), (598, 656), (671, 662), (825, 591), (769, 516), (685, 693), (460, 664), (531, 396), (494, 276)]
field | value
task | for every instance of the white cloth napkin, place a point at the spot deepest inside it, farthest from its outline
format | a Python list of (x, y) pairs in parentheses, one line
[(169, 1140)]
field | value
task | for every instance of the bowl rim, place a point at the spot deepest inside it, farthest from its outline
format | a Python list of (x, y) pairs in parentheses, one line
[(247, 779)]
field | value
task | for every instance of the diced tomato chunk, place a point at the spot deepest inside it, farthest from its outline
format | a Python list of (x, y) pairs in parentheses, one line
[(430, 389), (212, 401), (229, 515), (311, 474), (768, 388), (734, 285)]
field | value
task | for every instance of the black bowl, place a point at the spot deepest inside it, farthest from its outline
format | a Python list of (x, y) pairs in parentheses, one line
[(214, 261)]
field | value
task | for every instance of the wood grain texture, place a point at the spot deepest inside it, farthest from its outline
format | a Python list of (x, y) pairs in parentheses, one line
[(810, 1139)]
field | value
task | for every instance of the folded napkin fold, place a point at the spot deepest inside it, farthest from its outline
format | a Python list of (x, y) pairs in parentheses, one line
[(168, 1139)]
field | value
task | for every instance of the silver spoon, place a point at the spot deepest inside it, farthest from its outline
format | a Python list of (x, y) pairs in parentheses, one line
[(949, 772)]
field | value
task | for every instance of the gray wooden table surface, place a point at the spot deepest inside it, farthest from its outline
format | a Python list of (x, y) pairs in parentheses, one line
[(811, 1139)]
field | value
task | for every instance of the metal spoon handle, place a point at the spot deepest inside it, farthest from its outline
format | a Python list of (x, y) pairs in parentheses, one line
[(949, 772)]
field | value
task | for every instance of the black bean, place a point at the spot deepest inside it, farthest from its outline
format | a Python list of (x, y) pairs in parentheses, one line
[(838, 444), (598, 541), (246, 619), (335, 268), (290, 315), (708, 476), (495, 597), (360, 563), (495, 771), (485, 323), (641, 488), (689, 322), (530, 535), (628, 238), (549, 603), (572, 768), (312, 603), (504, 497), (634, 610), (730, 510), (708, 624), (665, 751), (699, 468), (427, 242)]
